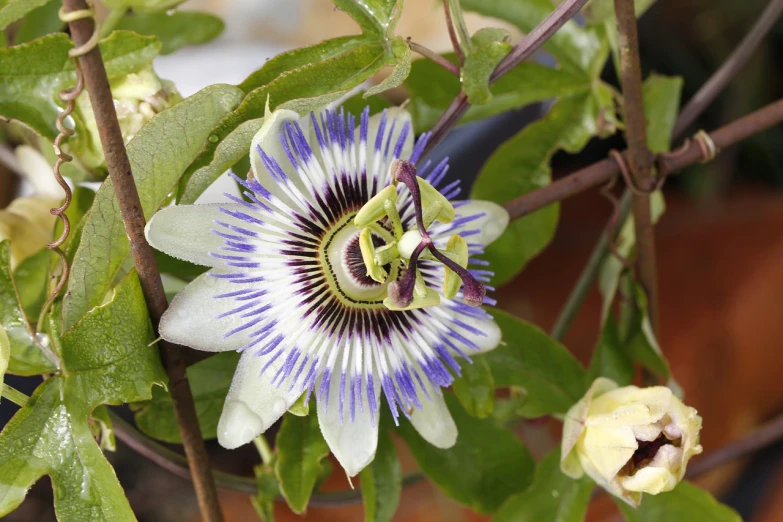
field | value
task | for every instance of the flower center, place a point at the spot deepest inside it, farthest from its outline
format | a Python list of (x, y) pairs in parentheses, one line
[(646, 452), (380, 215), (343, 262)]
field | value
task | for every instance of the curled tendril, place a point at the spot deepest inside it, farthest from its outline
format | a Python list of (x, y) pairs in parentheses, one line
[(68, 96)]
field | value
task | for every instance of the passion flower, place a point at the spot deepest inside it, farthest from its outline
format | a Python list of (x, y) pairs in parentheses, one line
[(344, 274)]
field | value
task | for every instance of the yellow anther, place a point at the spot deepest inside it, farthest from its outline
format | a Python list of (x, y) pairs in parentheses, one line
[(376, 272), (375, 209), (429, 196), (431, 298), (457, 250)]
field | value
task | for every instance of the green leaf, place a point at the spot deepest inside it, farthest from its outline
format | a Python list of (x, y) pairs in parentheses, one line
[(553, 497), (142, 6), (575, 48), (31, 277), (229, 151), (5, 353), (26, 357), (528, 358), (610, 358), (209, 382), (475, 388), (402, 54), (106, 360), (267, 490), (32, 74), (304, 79), (486, 465), (159, 154), (490, 47), (381, 481), (521, 165), (640, 338), (432, 88), (661, 105), (175, 30), (300, 450), (12, 10), (39, 22), (685, 502), (378, 17)]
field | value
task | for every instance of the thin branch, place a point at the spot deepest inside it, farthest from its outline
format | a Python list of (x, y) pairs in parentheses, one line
[(638, 153), (523, 49), (700, 101), (533, 40), (119, 168), (733, 64), (668, 164), (434, 57), (590, 272), (178, 465), (452, 32), (763, 436)]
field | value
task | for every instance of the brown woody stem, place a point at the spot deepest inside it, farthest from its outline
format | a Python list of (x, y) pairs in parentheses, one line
[(119, 168), (638, 153)]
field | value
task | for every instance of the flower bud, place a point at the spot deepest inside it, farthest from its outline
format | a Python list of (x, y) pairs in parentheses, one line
[(630, 440), (137, 98), (29, 225)]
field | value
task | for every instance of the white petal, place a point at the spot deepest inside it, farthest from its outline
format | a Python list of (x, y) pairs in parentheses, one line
[(352, 443), (609, 449), (398, 118), (38, 172), (651, 480), (488, 338), (253, 403), (192, 317), (184, 231), (491, 222), (434, 421), (268, 138)]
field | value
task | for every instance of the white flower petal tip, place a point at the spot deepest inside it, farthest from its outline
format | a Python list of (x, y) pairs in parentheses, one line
[(352, 442), (630, 440), (238, 425), (435, 423), (185, 232), (193, 318), (491, 222)]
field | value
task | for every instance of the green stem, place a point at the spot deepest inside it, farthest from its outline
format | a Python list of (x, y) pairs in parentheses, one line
[(15, 396), (263, 449), (588, 275), (458, 22), (111, 21)]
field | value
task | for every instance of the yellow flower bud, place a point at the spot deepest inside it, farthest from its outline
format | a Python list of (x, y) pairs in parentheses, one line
[(630, 440), (29, 225), (137, 98)]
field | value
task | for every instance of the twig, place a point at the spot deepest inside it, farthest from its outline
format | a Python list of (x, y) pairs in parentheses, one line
[(453, 33), (533, 40), (589, 273), (668, 164), (523, 49), (177, 465), (638, 153), (736, 61), (763, 436), (133, 218), (700, 101), (434, 57)]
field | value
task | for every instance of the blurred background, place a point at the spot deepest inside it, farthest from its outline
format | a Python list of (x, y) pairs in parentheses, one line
[(720, 248)]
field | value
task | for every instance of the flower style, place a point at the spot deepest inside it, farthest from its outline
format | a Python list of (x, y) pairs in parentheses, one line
[(630, 440), (328, 280)]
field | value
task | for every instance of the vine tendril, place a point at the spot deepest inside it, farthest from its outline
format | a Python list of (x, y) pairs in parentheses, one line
[(67, 95)]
